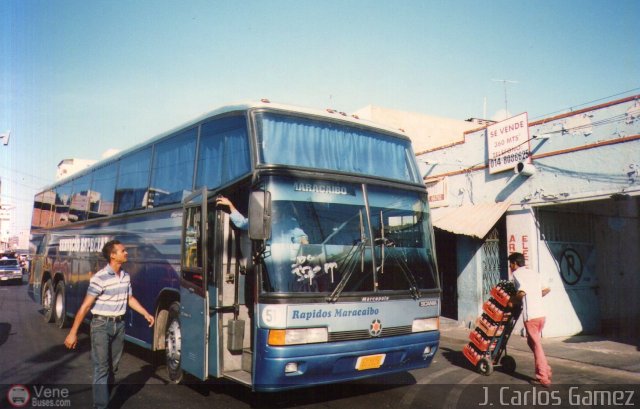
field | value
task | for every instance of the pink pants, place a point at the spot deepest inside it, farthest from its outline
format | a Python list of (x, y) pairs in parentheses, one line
[(534, 329)]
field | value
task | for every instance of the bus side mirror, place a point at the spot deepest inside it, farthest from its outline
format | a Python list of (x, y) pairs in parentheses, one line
[(260, 215)]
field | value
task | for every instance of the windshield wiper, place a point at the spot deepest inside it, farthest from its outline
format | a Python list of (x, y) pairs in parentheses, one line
[(350, 267), (402, 264), (351, 262), (384, 242), (367, 208)]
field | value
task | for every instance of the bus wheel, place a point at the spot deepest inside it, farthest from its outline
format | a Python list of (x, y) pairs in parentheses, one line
[(173, 344), (48, 296), (59, 306)]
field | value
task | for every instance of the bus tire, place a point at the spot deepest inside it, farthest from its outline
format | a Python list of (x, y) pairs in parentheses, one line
[(59, 306), (48, 296), (173, 342)]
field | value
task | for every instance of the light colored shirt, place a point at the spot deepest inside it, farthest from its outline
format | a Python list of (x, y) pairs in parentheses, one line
[(239, 220), (291, 234), (111, 292), (531, 283)]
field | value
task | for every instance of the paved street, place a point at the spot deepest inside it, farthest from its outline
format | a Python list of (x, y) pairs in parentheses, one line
[(32, 354)]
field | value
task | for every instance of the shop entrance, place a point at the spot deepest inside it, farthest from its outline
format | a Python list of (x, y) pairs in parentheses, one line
[(446, 250), (594, 246), (568, 235)]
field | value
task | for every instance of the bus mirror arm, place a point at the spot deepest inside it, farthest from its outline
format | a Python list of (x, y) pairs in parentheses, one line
[(261, 252)]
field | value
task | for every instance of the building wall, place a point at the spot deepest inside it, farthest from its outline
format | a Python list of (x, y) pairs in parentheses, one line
[(565, 257), (617, 226), (586, 163), (573, 163)]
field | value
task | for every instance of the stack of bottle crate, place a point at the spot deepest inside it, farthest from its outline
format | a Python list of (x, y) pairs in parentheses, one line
[(490, 325)]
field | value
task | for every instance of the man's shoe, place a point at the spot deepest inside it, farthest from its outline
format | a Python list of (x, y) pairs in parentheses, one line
[(536, 382)]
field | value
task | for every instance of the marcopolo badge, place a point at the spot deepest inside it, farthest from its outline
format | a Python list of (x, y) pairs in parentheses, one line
[(375, 329)]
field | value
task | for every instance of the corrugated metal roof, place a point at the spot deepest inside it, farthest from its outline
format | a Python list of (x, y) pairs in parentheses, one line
[(469, 220)]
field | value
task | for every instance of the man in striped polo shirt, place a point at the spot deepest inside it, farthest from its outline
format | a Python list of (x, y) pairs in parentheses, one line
[(109, 293)]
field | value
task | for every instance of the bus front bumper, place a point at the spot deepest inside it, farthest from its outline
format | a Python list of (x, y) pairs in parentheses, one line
[(279, 368)]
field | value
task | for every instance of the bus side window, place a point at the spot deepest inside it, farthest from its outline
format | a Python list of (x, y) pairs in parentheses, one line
[(133, 181)]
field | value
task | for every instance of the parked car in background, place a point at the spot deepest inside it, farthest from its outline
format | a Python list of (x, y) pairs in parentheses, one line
[(10, 270)]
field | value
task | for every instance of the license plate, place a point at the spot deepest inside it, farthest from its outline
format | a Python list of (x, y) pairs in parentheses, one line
[(370, 362)]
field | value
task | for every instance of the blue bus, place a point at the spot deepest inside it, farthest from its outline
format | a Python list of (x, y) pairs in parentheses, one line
[(326, 273)]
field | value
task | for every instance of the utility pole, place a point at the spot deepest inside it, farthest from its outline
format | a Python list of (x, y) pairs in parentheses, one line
[(504, 83), (5, 141)]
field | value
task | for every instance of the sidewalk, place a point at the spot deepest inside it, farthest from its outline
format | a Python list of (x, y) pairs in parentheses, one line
[(588, 349)]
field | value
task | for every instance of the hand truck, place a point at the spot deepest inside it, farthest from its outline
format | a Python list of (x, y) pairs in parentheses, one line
[(488, 341)]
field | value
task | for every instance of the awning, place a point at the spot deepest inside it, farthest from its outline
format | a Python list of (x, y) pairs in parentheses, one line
[(469, 220)]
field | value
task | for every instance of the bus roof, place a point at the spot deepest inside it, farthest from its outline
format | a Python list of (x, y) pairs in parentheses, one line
[(330, 114)]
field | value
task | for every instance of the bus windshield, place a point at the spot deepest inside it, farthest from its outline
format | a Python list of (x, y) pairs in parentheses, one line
[(325, 239)]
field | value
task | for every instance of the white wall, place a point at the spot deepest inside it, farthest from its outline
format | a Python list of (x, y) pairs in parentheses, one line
[(588, 157)]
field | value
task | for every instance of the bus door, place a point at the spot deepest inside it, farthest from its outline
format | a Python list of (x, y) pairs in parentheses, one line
[(194, 302), (232, 315)]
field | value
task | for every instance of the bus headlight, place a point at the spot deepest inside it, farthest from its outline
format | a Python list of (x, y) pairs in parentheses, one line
[(279, 337), (425, 324)]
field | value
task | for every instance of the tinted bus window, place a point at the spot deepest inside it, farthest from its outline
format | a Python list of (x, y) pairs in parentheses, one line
[(48, 208), (80, 198), (37, 211), (43, 209), (103, 188), (224, 151), (173, 164), (63, 200), (133, 181)]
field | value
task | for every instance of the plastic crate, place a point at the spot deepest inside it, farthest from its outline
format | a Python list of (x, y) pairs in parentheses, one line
[(500, 296), (480, 341), (472, 354), (494, 310), (489, 327)]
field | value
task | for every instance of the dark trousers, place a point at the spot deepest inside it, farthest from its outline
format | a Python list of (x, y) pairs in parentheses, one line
[(107, 342)]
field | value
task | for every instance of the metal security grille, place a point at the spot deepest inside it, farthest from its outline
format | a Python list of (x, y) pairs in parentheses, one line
[(490, 263), (566, 227)]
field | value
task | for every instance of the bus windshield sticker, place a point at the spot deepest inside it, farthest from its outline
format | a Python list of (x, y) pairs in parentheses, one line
[(306, 270)]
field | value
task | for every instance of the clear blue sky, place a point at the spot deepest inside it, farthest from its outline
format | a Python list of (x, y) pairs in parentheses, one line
[(80, 77)]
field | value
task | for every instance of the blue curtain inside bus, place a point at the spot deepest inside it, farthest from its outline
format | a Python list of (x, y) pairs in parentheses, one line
[(172, 173), (319, 144), (224, 152)]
